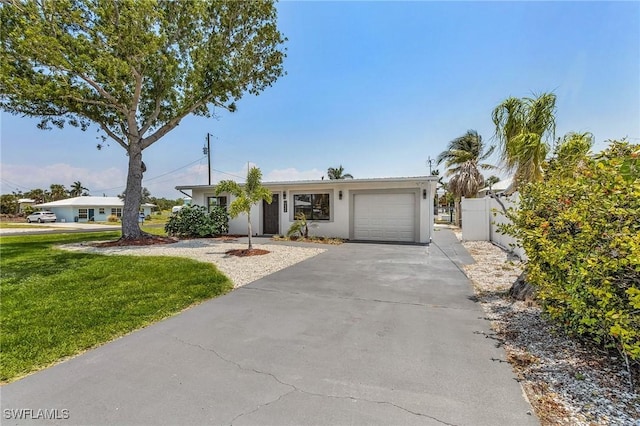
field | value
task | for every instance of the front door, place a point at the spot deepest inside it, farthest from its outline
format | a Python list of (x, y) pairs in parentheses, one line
[(270, 216), (92, 214)]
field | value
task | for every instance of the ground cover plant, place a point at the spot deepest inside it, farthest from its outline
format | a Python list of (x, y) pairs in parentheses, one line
[(579, 228), (58, 303)]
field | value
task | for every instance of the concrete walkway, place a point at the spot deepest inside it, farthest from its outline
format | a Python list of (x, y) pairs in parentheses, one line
[(362, 334)]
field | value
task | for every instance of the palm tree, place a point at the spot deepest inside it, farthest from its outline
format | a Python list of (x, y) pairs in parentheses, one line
[(146, 195), (521, 126), (246, 195), (338, 173), (491, 180), (571, 152), (77, 189), (58, 192), (38, 195), (463, 159)]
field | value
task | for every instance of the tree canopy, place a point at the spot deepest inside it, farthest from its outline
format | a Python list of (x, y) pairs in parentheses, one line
[(134, 68), (521, 128), (464, 158)]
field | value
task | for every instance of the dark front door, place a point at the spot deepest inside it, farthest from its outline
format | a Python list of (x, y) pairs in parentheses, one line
[(92, 214), (270, 216)]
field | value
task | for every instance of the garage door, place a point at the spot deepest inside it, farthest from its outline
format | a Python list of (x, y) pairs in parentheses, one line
[(384, 217)]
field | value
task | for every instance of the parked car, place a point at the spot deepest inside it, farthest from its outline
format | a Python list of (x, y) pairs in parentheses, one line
[(43, 216)]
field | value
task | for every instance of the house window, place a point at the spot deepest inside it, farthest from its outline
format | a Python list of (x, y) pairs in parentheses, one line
[(83, 213), (216, 201), (314, 206), (101, 210), (116, 211)]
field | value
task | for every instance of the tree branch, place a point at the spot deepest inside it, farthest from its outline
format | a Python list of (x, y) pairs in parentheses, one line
[(96, 86), (113, 136), (91, 102), (148, 141), (132, 123), (495, 197), (153, 117)]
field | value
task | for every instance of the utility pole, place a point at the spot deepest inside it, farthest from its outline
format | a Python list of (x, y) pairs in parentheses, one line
[(207, 152), (429, 163)]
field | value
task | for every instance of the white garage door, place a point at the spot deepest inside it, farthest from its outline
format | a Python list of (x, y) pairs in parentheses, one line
[(384, 217)]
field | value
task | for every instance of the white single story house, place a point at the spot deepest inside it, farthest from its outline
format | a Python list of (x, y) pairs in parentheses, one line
[(497, 188), (87, 208), (382, 209)]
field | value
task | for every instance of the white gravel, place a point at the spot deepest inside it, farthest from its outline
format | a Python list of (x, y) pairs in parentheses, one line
[(240, 270), (567, 382)]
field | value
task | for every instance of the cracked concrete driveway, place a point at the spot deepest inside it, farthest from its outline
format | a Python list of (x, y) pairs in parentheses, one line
[(362, 334)]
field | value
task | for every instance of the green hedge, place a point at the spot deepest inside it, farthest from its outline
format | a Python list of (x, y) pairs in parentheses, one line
[(194, 221), (581, 234)]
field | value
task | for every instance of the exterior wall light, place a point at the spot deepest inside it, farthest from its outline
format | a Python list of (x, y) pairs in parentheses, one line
[(340, 194), (424, 194)]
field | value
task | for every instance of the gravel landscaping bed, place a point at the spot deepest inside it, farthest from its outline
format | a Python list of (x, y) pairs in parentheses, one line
[(566, 381), (240, 270)]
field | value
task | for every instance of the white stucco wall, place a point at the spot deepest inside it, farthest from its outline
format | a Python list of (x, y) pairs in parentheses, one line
[(341, 209)]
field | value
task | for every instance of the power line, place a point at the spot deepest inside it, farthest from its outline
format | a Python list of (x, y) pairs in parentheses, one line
[(150, 179), (230, 174), (15, 184), (173, 171)]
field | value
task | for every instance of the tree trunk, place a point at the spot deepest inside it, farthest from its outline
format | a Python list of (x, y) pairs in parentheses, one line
[(521, 289), (249, 227), (458, 209), (133, 194)]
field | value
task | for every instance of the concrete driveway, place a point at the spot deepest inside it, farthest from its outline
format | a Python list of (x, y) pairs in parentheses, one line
[(362, 334), (57, 228)]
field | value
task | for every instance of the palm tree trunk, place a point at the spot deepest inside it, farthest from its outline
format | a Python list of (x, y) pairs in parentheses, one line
[(249, 228)]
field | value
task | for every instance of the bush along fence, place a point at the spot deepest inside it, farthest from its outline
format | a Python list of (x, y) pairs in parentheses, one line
[(581, 234)]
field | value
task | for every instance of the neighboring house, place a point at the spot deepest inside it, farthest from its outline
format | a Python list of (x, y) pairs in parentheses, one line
[(497, 187), (86, 209), (24, 202), (385, 209)]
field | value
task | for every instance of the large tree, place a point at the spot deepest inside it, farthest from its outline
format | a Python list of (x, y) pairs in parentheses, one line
[(245, 196), (464, 157), (134, 68), (522, 125)]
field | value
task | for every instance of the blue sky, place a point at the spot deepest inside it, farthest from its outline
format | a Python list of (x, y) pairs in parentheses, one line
[(378, 87)]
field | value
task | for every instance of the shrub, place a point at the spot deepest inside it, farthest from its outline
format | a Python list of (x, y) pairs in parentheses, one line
[(299, 226), (112, 218), (194, 221), (580, 233), (27, 210)]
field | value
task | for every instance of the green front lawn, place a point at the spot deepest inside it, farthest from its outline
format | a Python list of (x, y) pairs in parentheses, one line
[(57, 303)]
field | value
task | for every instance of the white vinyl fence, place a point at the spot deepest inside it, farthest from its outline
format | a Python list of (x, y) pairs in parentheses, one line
[(480, 220)]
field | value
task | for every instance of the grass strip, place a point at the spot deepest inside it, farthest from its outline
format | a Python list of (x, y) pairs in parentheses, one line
[(56, 303)]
